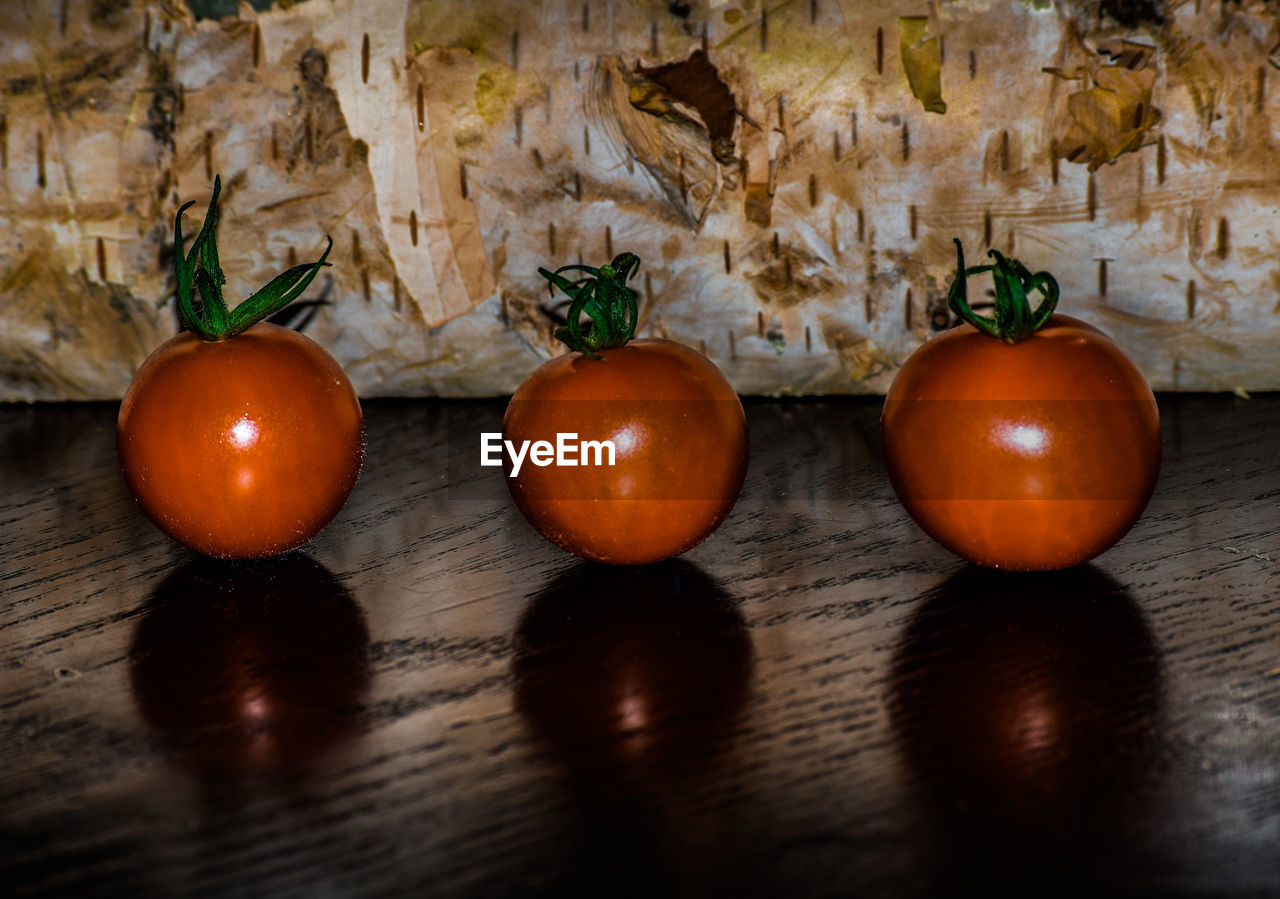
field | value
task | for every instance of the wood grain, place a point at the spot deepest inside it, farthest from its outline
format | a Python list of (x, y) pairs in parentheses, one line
[(817, 701)]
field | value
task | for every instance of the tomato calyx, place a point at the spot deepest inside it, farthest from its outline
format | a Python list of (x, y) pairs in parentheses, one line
[(200, 269), (604, 297), (1014, 320)]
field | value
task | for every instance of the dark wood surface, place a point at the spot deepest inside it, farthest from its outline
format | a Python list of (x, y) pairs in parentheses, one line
[(817, 701)]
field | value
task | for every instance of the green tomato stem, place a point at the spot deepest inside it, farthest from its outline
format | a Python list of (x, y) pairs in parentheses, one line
[(603, 296), (200, 270), (1014, 321)]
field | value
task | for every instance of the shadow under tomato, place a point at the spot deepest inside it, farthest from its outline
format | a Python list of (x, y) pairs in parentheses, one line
[(253, 668), (634, 678), (1028, 708), (632, 672)]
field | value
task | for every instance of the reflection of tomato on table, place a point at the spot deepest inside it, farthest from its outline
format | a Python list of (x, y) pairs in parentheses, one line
[(250, 668), (1029, 709), (632, 672)]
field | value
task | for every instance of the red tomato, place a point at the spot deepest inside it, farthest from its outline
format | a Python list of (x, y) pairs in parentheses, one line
[(244, 447), (680, 438), (1033, 456)]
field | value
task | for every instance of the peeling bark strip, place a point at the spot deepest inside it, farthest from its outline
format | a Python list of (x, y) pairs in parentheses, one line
[(1111, 115), (696, 83), (922, 62)]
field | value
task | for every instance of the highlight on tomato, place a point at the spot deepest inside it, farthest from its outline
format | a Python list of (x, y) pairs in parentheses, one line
[(625, 450), (237, 437), (1027, 440)]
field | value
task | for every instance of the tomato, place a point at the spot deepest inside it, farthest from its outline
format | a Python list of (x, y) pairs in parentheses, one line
[(242, 439), (242, 448), (678, 431), (1034, 454)]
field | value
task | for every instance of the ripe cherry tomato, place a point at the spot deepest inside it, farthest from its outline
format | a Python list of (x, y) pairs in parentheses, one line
[(242, 439), (677, 427), (242, 448), (1030, 442)]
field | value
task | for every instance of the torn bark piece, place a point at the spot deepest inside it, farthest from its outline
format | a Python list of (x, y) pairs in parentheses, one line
[(1108, 119), (695, 83), (661, 132), (922, 60)]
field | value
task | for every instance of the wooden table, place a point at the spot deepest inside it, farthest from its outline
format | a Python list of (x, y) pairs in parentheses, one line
[(818, 701)]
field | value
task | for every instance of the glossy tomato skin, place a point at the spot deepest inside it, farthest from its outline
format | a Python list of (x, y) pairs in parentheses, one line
[(680, 436), (243, 448), (1033, 457)]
